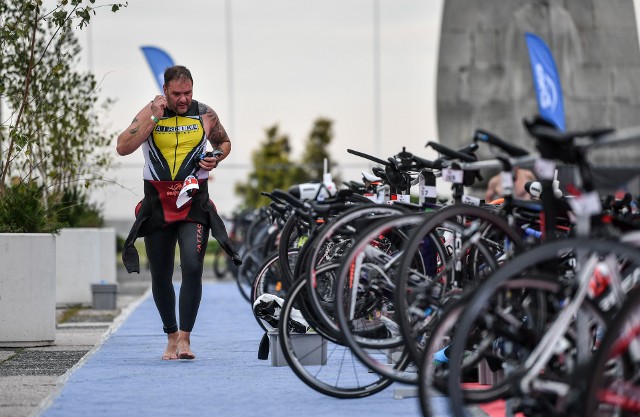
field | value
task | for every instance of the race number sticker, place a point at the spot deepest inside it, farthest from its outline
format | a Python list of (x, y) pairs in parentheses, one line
[(471, 200), (424, 190), (545, 168), (586, 204), (452, 175), (428, 191), (403, 198), (507, 183)]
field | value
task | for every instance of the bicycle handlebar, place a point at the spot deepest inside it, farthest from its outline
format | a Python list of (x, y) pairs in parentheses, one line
[(369, 157), (279, 208), (492, 139), (521, 161), (544, 131), (424, 163), (469, 149), (461, 155), (272, 197), (285, 196)]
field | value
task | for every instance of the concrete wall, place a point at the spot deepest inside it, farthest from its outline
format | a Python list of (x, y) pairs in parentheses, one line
[(484, 78), (84, 256), (27, 289)]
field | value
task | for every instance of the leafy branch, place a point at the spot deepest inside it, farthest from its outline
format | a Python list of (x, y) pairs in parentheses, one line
[(48, 140)]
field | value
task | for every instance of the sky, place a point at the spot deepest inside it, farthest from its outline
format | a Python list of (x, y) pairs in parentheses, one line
[(286, 62), (259, 63)]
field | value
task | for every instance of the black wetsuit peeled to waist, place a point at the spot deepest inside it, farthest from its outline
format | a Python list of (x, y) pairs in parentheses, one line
[(171, 155)]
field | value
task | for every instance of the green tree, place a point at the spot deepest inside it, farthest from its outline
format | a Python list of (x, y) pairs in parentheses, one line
[(273, 169), (316, 149), (49, 139)]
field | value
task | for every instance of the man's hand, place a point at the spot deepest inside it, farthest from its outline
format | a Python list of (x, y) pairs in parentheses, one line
[(158, 104), (208, 163)]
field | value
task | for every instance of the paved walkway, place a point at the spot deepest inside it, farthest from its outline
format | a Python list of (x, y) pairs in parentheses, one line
[(124, 376)]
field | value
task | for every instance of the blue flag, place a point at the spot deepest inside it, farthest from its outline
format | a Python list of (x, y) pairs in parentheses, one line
[(546, 81), (158, 61)]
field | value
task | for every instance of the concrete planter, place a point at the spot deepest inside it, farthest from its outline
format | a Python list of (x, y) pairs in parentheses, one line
[(27, 289), (108, 255), (84, 257)]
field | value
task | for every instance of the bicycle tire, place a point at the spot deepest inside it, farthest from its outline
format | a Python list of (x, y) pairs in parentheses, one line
[(220, 264), (340, 231), (427, 294), (251, 262), (545, 257), (324, 378), (293, 235), (364, 299), (615, 369), (434, 373)]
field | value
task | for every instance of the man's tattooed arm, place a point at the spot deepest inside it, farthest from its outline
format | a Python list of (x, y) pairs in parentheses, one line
[(134, 129), (137, 132), (217, 135)]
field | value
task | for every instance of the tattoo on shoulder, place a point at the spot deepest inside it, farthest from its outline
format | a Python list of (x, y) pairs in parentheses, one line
[(207, 112), (217, 135), (211, 115)]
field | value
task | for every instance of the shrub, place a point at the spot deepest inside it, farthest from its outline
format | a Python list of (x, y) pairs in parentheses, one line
[(23, 209), (75, 210)]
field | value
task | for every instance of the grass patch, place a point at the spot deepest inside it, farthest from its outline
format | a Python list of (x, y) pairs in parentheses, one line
[(69, 313), (16, 351)]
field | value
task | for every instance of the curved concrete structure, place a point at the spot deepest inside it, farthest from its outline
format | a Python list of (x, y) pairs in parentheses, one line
[(484, 78)]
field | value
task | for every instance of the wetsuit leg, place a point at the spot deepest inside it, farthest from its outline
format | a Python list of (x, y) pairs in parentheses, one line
[(192, 239), (161, 247)]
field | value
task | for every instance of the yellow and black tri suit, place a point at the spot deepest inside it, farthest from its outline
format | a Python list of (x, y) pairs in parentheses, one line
[(171, 153)]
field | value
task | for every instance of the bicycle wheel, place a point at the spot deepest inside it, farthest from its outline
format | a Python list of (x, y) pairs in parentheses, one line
[(532, 292), (337, 373), (297, 230), (329, 246), (432, 372), (459, 246), (364, 297), (614, 375), (220, 264), (294, 235), (251, 263), (544, 352), (258, 227)]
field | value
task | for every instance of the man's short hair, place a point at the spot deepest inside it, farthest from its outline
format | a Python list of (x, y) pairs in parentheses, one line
[(177, 72)]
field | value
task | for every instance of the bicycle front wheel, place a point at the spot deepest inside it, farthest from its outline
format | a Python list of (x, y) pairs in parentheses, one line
[(329, 367), (613, 383), (540, 341)]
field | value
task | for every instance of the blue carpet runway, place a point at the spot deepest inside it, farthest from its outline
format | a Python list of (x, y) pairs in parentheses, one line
[(125, 376)]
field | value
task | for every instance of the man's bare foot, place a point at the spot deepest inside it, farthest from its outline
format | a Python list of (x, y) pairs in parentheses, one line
[(184, 346), (171, 352)]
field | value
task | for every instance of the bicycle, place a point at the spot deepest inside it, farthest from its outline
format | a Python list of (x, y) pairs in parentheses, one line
[(533, 362)]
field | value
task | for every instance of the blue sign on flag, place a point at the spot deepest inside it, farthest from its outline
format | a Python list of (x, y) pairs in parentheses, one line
[(546, 81), (158, 61)]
